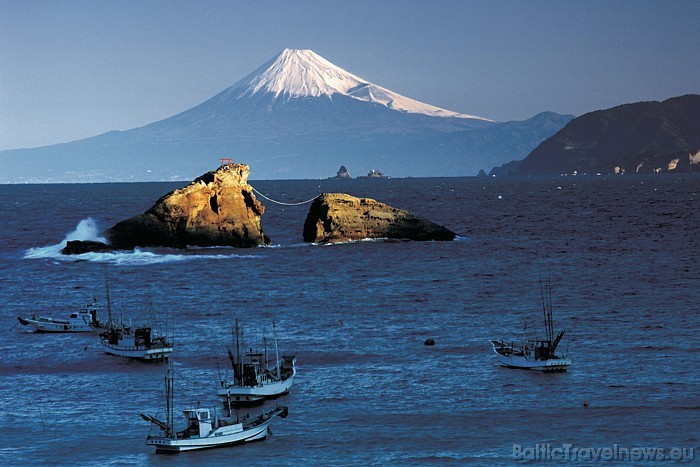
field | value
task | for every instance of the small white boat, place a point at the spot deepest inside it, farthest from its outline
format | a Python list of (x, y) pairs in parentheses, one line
[(255, 379), (535, 354), (136, 343), (530, 355), (84, 320), (140, 343), (206, 428)]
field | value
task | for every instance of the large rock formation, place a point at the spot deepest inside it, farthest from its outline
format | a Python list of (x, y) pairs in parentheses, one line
[(337, 217), (218, 208)]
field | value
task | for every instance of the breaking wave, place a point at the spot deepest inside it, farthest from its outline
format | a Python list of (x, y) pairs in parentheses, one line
[(88, 230)]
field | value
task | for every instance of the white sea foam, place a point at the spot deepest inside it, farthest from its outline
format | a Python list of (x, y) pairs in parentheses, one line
[(88, 230)]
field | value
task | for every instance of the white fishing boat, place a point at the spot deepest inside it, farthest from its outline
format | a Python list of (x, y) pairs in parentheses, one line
[(124, 340), (255, 378), (138, 343), (533, 353), (84, 320), (206, 428)]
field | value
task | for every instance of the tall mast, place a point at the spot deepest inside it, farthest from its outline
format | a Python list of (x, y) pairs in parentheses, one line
[(109, 304), (239, 366), (169, 406), (549, 310), (544, 308), (277, 352)]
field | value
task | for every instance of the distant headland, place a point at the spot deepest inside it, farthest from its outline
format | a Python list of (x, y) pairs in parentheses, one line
[(644, 137)]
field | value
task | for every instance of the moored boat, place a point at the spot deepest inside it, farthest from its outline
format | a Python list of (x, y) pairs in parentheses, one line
[(206, 428), (533, 353), (255, 378), (84, 320), (140, 343)]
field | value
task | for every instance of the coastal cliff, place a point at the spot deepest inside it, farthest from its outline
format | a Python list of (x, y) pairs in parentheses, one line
[(643, 137), (337, 217)]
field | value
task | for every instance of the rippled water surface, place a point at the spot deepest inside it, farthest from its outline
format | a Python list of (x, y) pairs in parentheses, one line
[(622, 254)]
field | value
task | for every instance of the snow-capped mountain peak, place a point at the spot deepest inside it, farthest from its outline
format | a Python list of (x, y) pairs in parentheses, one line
[(303, 73), (299, 73)]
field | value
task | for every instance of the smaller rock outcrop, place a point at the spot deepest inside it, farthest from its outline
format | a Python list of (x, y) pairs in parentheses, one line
[(343, 173), (78, 247), (338, 217), (216, 209)]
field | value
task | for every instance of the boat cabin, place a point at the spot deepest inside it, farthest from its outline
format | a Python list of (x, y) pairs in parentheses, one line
[(250, 374), (142, 337), (199, 422), (543, 350)]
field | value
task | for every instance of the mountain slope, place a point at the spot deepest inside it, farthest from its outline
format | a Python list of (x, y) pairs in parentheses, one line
[(303, 73), (297, 116), (634, 138)]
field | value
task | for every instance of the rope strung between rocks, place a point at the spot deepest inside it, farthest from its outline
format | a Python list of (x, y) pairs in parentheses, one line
[(280, 202)]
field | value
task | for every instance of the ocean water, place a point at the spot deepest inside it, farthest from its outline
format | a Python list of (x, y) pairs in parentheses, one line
[(622, 255)]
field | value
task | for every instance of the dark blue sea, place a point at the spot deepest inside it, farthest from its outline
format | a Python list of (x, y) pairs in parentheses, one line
[(622, 255)]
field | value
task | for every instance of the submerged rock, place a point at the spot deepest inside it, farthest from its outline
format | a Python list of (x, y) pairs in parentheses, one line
[(216, 209), (337, 217)]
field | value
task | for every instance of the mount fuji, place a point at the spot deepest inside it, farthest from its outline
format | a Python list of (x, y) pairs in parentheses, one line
[(297, 116)]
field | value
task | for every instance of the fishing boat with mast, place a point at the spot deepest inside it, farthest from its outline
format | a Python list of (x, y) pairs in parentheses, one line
[(534, 353), (255, 378), (205, 427), (139, 343), (84, 320)]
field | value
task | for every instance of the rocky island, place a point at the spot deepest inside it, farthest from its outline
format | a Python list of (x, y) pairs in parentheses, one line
[(337, 217), (216, 209), (220, 209)]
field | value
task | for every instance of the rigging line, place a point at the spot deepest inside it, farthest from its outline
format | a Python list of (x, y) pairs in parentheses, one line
[(280, 202)]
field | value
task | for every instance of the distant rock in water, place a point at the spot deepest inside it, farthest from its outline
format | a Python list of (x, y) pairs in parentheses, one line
[(216, 209), (78, 247), (337, 217), (342, 173)]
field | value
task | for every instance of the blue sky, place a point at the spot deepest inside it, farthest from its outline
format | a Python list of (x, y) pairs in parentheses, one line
[(74, 69)]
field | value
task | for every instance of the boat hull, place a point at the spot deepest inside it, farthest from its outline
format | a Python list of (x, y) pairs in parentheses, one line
[(138, 353), (46, 326), (239, 395), (81, 321), (214, 440), (559, 364)]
